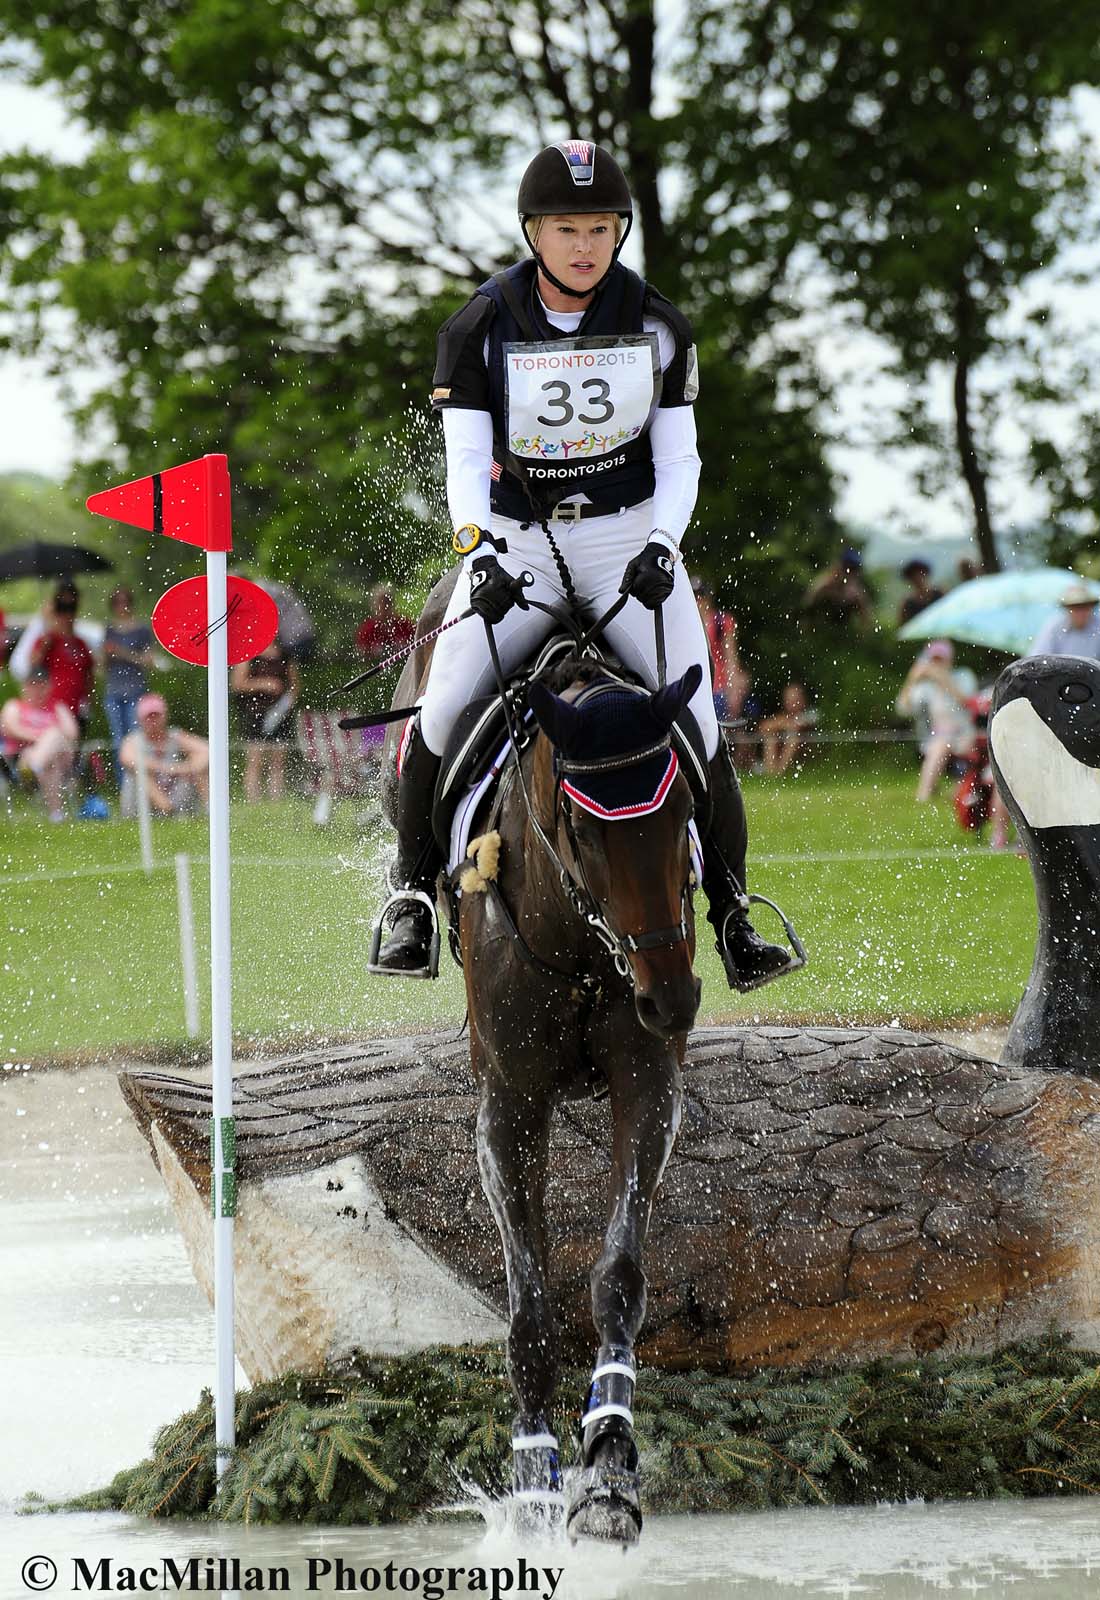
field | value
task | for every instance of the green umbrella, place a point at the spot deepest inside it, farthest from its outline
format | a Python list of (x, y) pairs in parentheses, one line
[(1005, 611)]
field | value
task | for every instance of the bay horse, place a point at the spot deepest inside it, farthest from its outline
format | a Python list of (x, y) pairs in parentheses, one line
[(578, 959)]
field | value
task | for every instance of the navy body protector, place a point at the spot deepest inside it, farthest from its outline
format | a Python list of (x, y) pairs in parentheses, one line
[(616, 309)]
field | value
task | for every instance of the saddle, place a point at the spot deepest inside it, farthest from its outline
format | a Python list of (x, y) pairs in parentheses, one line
[(481, 732)]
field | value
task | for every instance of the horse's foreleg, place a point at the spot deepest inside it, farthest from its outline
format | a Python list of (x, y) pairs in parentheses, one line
[(645, 1110), (512, 1144)]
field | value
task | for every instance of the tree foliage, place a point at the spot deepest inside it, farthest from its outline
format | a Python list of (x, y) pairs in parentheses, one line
[(929, 158), (277, 206)]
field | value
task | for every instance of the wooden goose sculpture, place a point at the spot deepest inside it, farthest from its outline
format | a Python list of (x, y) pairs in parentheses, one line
[(835, 1194)]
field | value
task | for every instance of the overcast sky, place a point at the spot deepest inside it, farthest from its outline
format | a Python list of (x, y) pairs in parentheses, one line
[(877, 487)]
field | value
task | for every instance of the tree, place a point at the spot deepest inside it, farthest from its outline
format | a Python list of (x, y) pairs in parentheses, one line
[(252, 168), (929, 158)]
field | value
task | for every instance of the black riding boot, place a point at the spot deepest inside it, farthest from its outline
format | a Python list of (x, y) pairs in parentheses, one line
[(411, 948), (748, 959)]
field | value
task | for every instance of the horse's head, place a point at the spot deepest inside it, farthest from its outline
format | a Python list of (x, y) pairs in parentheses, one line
[(620, 811)]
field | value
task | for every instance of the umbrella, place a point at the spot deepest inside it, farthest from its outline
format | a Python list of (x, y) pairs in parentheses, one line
[(41, 560), (1006, 610)]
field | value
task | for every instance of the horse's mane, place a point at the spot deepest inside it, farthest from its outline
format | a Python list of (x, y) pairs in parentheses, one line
[(574, 670)]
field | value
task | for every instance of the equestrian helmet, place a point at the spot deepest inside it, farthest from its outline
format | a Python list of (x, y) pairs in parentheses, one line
[(576, 178)]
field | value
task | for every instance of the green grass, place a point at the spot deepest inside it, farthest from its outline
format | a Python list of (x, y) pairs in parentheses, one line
[(91, 958)]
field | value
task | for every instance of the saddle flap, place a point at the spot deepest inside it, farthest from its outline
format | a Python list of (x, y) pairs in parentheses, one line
[(478, 734)]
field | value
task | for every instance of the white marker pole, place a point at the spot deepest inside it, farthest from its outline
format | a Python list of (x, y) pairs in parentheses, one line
[(223, 1185), (187, 946), (141, 783)]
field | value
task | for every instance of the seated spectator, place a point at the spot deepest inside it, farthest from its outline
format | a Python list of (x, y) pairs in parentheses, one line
[(1076, 632), (267, 689), (40, 739), (782, 734), (65, 656), (936, 698), (922, 592), (176, 763), (385, 629), (127, 658), (839, 594)]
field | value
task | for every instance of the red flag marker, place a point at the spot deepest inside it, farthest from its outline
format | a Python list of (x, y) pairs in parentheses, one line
[(189, 502), (180, 621)]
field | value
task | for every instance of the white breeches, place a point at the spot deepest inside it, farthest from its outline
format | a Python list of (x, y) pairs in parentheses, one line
[(596, 552)]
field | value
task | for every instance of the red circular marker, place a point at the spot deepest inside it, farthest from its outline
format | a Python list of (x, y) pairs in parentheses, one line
[(180, 623)]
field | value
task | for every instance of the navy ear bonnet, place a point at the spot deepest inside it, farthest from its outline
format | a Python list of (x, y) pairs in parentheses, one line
[(612, 753)]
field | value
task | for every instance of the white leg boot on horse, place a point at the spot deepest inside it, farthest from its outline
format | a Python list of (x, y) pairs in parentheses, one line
[(605, 1501), (749, 960), (411, 948)]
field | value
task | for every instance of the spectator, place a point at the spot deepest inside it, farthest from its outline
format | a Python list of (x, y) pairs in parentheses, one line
[(1077, 631), (839, 594), (267, 690), (729, 680), (66, 657), (176, 763), (128, 657), (936, 698), (385, 629), (21, 659), (783, 734), (968, 569), (922, 593), (297, 633), (41, 739)]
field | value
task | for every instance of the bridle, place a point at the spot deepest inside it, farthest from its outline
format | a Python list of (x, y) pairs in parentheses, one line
[(584, 903)]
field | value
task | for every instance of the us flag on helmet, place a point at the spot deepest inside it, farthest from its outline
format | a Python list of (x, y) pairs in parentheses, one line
[(578, 158)]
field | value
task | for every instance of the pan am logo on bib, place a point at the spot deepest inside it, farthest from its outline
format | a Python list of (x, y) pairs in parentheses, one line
[(589, 444)]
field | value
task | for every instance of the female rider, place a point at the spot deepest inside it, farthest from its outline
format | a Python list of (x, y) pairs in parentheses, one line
[(566, 386)]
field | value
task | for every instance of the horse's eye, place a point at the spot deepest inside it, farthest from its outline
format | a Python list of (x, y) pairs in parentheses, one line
[(1075, 694)]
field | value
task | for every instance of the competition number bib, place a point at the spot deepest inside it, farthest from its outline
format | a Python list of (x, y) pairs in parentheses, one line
[(579, 399)]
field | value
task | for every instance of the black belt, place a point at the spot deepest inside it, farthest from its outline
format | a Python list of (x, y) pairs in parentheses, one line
[(574, 512)]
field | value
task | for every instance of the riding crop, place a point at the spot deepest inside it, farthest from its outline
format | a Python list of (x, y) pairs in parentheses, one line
[(399, 655)]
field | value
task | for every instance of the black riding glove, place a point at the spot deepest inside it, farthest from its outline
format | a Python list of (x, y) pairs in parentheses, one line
[(492, 592), (650, 577)]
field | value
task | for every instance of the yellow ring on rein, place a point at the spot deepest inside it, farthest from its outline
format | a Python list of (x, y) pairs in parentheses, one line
[(458, 547)]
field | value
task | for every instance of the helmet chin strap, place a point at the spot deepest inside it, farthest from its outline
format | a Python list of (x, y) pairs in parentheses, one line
[(575, 294)]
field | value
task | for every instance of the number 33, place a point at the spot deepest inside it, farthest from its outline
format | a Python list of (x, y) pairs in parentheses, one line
[(562, 403)]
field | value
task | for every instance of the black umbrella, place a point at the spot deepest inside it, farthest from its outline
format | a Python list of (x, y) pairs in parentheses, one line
[(41, 560)]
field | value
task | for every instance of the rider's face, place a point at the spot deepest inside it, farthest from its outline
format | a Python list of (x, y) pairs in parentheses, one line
[(578, 250)]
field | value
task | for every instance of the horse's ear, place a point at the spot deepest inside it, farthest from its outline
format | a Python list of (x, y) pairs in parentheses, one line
[(558, 719), (668, 702)]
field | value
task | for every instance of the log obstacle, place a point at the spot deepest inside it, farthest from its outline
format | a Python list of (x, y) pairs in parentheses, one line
[(835, 1195)]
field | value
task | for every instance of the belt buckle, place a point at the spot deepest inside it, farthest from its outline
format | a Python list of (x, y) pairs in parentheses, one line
[(567, 512)]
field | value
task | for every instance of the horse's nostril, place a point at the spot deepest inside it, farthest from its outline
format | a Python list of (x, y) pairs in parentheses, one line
[(1075, 693)]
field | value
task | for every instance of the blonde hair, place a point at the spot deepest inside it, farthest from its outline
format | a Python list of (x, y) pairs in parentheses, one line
[(534, 225)]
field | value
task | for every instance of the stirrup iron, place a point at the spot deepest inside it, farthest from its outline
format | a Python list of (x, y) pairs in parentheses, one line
[(397, 900), (798, 949)]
